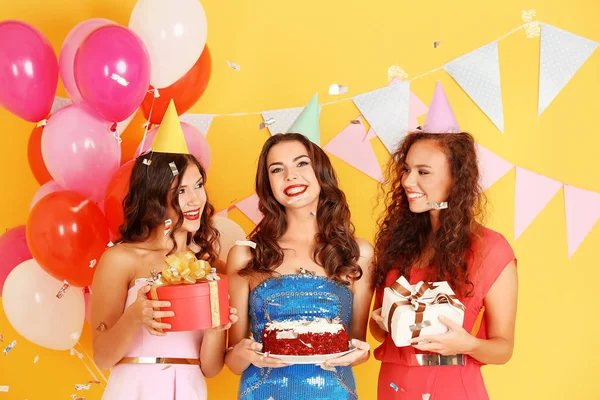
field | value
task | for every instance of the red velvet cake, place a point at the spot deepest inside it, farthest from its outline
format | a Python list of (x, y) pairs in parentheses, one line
[(305, 338)]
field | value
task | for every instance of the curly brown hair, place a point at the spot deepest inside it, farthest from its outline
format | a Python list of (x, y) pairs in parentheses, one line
[(150, 194), (336, 248), (403, 235)]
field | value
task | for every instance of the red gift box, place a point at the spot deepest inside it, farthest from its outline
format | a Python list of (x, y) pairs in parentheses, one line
[(197, 306)]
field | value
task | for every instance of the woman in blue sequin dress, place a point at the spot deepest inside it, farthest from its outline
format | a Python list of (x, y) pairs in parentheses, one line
[(306, 228)]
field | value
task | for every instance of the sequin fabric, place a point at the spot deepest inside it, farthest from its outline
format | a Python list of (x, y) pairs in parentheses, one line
[(294, 297)]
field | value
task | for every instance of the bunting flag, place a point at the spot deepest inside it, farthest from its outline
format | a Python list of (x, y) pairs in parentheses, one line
[(249, 206), (59, 102), (582, 212), (532, 193), (478, 73), (562, 53), (387, 110), (491, 167), (416, 108), (350, 146), (281, 119), (201, 121)]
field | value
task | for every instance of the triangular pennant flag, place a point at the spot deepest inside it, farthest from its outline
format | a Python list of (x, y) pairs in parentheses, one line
[(478, 73), (370, 134), (562, 53), (532, 193), (59, 102), (222, 213), (200, 121), (281, 119), (386, 109), (582, 210), (249, 207), (416, 108), (350, 146), (491, 167)]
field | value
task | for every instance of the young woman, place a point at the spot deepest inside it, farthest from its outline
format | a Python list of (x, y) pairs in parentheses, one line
[(306, 264), (166, 211), (422, 243)]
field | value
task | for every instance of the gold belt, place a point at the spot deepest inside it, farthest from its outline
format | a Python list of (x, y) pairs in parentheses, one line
[(158, 360), (427, 360)]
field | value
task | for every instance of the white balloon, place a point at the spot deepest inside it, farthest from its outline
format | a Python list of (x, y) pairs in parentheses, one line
[(32, 308), (230, 233), (174, 33)]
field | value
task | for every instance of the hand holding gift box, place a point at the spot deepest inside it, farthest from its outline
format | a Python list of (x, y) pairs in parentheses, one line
[(411, 311), (198, 295)]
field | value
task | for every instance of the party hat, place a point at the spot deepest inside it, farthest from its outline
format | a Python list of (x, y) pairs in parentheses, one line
[(307, 123), (440, 118), (169, 138)]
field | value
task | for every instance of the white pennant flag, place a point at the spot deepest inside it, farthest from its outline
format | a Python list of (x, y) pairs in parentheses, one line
[(478, 73), (387, 110), (281, 119), (200, 121), (562, 53)]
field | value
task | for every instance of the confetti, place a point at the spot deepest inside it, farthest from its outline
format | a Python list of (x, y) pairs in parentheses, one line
[(62, 290), (438, 206), (355, 121), (393, 386), (168, 224), (110, 244), (93, 263), (248, 243), (312, 214), (426, 396), (396, 72), (527, 15), (147, 161), (42, 123), (82, 386), (174, 169), (336, 89), (94, 382), (4, 389), (436, 44), (532, 27), (1, 337), (119, 79), (75, 397), (78, 208), (268, 122), (232, 65), (10, 347), (35, 359)]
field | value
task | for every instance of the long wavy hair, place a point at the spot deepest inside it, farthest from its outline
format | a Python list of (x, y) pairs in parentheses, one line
[(336, 248), (151, 193), (403, 235)]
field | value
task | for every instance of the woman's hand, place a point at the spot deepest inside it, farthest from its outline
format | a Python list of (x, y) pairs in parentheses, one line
[(247, 349), (144, 312), (456, 341)]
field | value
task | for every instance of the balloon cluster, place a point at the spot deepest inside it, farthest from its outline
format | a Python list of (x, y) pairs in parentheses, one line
[(120, 81)]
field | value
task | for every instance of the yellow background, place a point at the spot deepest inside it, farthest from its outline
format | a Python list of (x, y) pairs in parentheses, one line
[(288, 50)]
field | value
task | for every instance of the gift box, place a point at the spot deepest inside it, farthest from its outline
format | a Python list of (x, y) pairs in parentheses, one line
[(411, 311), (198, 295)]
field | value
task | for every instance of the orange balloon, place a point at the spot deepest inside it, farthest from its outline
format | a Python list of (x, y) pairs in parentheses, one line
[(34, 156), (115, 193), (185, 92), (132, 136)]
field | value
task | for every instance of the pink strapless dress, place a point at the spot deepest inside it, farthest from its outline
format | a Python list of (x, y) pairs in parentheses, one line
[(158, 381)]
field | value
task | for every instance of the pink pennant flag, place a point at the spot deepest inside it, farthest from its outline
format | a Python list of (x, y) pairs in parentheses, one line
[(222, 213), (249, 207), (532, 193), (582, 209), (350, 146), (491, 167), (416, 108), (371, 134)]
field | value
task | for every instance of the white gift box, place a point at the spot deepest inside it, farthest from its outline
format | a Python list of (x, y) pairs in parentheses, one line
[(411, 311)]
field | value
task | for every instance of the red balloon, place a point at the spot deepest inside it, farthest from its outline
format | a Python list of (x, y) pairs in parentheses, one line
[(34, 156), (115, 193), (185, 92), (67, 234)]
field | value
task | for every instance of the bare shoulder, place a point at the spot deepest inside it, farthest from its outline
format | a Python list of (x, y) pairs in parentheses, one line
[(365, 248), (120, 259), (238, 258)]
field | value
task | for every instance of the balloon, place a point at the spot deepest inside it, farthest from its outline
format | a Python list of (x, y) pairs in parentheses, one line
[(230, 233), (68, 50), (67, 234), (174, 33), (14, 250), (185, 92), (115, 193), (32, 308), (132, 136), (196, 142), (112, 71), (34, 156), (28, 71), (45, 189), (80, 151)]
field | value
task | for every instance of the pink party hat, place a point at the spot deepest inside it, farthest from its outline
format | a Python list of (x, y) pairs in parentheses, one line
[(440, 118)]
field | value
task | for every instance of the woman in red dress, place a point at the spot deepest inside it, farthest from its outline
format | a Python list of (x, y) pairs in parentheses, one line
[(431, 232)]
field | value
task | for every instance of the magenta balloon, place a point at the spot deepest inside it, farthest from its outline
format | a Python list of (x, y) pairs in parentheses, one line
[(14, 250), (80, 151), (68, 50), (28, 71), (112, 71)]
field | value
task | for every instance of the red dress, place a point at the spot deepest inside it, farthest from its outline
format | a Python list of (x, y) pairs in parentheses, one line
[(400, 377)]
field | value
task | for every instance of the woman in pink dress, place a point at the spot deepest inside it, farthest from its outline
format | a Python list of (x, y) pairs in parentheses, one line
[(166, 211), (423, 241)]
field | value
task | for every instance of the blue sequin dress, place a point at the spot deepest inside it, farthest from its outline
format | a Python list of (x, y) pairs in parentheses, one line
[(294, 297)]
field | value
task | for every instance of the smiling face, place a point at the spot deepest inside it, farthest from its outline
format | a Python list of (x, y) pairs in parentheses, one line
[(192, 199), (291, 175), (426, 176)]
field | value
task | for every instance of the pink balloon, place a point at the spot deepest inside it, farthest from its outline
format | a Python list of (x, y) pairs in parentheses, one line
[(14, 250), (68, 50), (80, 151), (112, 71), (46, 188), (195, 140), (28, 71)]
